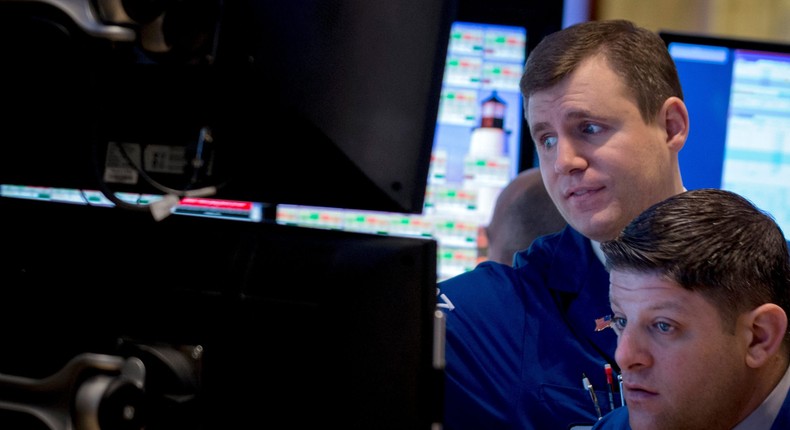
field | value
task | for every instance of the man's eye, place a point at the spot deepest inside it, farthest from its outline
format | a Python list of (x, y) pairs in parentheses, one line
[(618, 324), (549, 142), (591, 128), (664, 327)]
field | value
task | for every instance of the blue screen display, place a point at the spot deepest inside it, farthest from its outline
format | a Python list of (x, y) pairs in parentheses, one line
[(738, 96)]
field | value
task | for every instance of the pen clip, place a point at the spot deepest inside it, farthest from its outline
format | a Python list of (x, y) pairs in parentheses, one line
[(589, 387)]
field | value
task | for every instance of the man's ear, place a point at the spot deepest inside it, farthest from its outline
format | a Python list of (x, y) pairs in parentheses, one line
[(767, 325), (675, 117)]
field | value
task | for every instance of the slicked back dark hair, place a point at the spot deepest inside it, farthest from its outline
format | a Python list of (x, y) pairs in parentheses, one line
[(711, 241)]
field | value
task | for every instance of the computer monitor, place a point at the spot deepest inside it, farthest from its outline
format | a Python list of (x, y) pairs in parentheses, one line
[(238, 324), (477, 149), (736, 91), (329, 103)]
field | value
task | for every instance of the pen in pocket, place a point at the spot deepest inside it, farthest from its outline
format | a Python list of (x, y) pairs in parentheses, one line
[(588, 386), (610, 382)]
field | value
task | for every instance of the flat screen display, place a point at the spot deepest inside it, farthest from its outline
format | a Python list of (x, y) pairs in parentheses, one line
[(738, 96), (191, 206), (329, 103), (476, 150)]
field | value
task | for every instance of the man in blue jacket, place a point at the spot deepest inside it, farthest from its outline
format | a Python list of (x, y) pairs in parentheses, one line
[(700, 294), (605, 109)]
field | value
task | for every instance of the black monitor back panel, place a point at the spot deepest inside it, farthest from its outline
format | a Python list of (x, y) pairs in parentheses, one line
[(239, 325)]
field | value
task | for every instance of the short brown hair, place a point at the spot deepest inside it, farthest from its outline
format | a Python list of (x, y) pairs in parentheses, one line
[(638, 55)]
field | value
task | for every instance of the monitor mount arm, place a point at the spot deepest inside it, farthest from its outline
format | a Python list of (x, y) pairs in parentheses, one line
[(107, 392), (97, 389), (88, 18), (143, 22)]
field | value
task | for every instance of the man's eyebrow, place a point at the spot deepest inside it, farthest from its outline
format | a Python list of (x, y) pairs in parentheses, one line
[(539, 127), (579, 113), (660, 306), (668, 305)]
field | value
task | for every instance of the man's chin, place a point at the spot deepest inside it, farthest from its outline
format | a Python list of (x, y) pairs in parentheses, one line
[(597, 231)]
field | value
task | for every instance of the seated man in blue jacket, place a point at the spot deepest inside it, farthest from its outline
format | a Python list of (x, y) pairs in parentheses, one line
[(605, 109), (700, 293)]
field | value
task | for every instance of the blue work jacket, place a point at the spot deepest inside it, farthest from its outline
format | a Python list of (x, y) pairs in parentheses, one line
[(519, 339)]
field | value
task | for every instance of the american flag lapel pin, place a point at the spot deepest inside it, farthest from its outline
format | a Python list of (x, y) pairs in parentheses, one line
[(603, 323)]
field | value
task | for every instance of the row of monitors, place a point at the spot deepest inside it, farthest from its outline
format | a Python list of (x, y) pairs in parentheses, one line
[(737, 91), (738, 95), (476, 152)]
